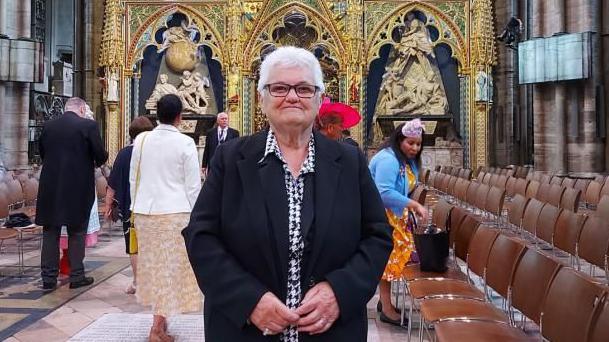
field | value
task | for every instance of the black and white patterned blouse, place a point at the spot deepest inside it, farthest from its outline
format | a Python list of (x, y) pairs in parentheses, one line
[(295, 192)]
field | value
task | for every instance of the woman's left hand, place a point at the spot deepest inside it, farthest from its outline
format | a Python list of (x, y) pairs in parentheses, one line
[(318, 310)]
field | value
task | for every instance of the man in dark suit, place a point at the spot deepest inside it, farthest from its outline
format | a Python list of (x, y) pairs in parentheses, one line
[(70, 147), (215, 137)]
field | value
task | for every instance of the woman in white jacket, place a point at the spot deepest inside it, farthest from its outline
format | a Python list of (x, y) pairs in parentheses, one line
[(165, 182)]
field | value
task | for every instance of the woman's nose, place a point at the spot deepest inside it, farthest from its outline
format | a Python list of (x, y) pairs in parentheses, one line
[(292, 96)]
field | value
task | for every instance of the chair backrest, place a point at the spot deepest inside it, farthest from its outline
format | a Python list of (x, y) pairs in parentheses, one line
[(602, 208), (594, 241), (600, 178), (480, 176), (101, 185), (487, 178), (531, 214), (569, 306), (441, 213), (432, 179), (543, 192), (4, 202), (533, 188), (568, 229), (582, 184), (593, 193), (516, 209), (457, 215), (30, 189), (451, 185), (568, 182), (479, 249), (556, 180), (15, 191), (510, 186), (599, 327), (467, 174), (461, 189), (419, 194), (494, 201), (423, 175), (545, 179), (493, 180), (546, 223), (501, 182), (463, 235), (570, 199), (531, 281), (445, 182), (521, 186), (471, 192), (502, 262), (481, 194), (604, 190), (555, 194)]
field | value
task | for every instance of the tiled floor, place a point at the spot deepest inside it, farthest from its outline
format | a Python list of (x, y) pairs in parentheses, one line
[(103, 297)]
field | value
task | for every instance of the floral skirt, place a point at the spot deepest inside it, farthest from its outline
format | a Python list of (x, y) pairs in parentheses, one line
[(403, 246), (165, 279)]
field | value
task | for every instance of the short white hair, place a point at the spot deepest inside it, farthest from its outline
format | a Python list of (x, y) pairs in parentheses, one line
[(291, 56)]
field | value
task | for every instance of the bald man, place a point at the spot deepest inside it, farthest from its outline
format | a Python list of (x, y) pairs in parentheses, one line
[(216, 136), (70, 148)]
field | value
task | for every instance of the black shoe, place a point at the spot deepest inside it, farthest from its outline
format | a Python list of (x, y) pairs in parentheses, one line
[(379, 308), (86, 281), (49, 286), (397, 322)]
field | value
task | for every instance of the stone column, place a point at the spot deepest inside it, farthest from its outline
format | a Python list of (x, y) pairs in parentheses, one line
[(558, 163), (15, 21), (605, 61)]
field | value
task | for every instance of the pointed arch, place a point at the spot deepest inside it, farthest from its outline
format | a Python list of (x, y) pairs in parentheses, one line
[(144, 36)]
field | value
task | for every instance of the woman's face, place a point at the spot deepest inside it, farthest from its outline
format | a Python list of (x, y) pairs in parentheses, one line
[(411, 146), (290, 110)]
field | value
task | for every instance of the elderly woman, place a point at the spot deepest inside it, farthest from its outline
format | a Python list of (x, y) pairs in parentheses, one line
[(164, 184), (288, 236), (395, 169)]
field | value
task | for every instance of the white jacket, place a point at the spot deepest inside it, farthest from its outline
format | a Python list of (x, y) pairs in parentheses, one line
[(170, 178)]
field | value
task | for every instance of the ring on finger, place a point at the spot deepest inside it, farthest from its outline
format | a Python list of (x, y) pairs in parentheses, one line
[(266, 332)]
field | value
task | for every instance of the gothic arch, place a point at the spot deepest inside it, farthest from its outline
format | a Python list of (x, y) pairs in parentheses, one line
[(329, 36), (381, 34), (144, 36)]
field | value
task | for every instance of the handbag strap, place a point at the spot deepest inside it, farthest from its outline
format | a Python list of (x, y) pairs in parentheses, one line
[(137, 175)]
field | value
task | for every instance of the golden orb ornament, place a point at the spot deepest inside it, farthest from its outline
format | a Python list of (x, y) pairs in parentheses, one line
[(181, 56)]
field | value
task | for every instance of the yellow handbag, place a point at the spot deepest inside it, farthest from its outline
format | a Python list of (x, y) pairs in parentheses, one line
[(132, 231)]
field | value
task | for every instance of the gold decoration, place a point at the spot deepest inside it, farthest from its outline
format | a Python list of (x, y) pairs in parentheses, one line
[(112, 54)]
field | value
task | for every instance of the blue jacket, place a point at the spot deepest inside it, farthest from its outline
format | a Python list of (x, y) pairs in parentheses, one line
[(385, 170)]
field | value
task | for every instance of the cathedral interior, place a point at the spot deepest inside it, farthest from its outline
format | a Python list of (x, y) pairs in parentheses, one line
[(498, 84)]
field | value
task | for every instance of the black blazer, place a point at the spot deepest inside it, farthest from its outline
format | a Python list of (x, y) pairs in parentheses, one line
[(211, 143), (237, 238), (70, 147)]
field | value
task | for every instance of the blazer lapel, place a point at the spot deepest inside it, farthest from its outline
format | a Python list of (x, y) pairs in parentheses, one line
[(327, 173), (255, 191)]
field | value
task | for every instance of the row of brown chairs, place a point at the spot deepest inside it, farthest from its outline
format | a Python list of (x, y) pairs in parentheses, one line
[(456, 171), (517, 273)]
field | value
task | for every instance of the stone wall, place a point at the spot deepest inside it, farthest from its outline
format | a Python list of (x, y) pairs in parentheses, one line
[(565, 115)]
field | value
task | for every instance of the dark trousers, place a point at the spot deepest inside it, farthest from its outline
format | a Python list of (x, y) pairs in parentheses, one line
[(49, 257)]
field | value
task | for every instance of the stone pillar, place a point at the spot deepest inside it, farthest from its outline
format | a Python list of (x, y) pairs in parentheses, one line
[(79, 48), (558, 163), (15, 20), (605, 61)]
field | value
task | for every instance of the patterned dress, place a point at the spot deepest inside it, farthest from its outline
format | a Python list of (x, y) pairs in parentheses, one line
[(394, 182)]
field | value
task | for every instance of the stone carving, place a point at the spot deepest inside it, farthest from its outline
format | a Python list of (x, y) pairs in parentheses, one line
[(162, 88), (112, 86), (483, 86), (191, 91)]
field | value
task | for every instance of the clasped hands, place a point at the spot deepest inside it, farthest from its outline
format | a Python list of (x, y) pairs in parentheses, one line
[(316, 314)]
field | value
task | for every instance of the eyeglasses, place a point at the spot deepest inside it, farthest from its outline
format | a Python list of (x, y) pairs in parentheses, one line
[(304, 91)]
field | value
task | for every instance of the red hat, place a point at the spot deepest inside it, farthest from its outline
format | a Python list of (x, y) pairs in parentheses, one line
[(350, 116)]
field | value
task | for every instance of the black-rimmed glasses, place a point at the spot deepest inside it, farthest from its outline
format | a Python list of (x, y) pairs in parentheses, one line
[(304, 91)]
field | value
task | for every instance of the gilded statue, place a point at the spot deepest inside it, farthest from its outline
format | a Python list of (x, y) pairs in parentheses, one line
[(181, 49)]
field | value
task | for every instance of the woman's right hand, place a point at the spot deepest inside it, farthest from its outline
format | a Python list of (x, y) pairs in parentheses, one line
[(271, 316), (418, 209)]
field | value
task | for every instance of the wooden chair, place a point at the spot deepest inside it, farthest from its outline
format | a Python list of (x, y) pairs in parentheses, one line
[(419, 194), (593, 243), (581, 184), (599, 328), (481, 194), (441, 213), (516, 210), (569, 306), (602, 209), (531, 214), (555, 194), (521, 186), (592, 194), (531, 281), (101, 186), (546, 223), (479, 331), (510, 187), (471, 193), (570, 199), (545, 179), (567, 232), (494, 202), (487, 178), (568, 182), (532, 189), (480, 176), (543, 192), (556, 180)]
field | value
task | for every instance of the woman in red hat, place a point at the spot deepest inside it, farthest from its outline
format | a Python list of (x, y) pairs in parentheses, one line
[(334, 118)]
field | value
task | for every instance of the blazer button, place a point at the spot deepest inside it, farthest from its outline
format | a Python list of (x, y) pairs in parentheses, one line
[(311, 282)]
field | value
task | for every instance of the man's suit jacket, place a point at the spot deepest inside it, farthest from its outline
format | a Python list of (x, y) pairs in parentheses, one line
[(70, 147), (237, 238), (211, 143)]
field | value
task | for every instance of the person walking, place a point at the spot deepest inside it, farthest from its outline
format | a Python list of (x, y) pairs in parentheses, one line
[(70, 148), (215, 137), (118, 191), (164, 182)]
